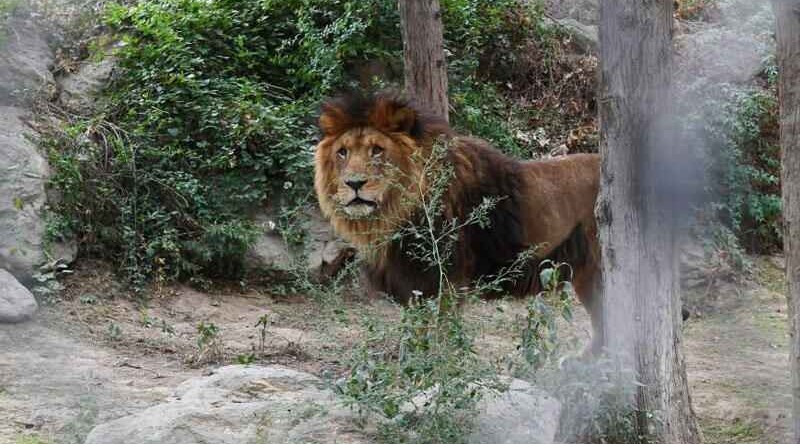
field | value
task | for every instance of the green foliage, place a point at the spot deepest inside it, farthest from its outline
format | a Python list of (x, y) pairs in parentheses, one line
[(539, 337), (209, 117), (482, 111), (207, 333), (745, 168), (246, 359)]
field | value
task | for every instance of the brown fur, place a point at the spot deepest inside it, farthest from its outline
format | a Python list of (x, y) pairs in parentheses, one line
[(547, 203)]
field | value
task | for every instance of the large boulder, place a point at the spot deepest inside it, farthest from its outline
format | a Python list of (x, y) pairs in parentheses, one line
[(585, 38), (522, 415), (586, 12), (17, 304), (324, 253), (729, 50), (25, 59), (80, 90), (265, 405), (23, 173), (239, 405)]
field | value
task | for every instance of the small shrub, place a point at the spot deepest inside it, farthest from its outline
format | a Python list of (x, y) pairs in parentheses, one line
[(209, 344), (744, 169)]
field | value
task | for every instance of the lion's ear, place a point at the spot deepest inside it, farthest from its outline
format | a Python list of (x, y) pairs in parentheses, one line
[(393, 116), (334, 119)]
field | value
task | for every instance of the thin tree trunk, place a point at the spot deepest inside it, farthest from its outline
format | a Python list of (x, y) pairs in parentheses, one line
[(423, 49), (787, 13), (638, 216)]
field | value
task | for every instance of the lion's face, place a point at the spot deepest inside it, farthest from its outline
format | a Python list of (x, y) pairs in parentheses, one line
[(367, 165)]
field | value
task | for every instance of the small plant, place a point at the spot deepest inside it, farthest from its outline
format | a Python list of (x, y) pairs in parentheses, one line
[(88, 299), (539, 342), (30, 439), (145, 320), (209, 346), (246, 359), (114, 332), (166, 328), (262, 324)]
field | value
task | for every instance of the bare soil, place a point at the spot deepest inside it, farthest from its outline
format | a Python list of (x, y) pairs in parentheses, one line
[(99, 353)]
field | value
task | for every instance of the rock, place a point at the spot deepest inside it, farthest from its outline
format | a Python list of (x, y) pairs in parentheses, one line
[(17, 304), (23, 172), (64, 251), (731, 50), (585, 37), (522, 415), (270, 251), (583, 11), (239, 405), (325, 253), (80, 89), (25, 60), (274, 404)]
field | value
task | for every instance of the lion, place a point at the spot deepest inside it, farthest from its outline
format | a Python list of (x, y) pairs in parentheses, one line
[(369, 182)]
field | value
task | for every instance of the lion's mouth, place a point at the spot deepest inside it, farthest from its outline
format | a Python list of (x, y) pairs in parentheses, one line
[(359, 207), (360, 201)]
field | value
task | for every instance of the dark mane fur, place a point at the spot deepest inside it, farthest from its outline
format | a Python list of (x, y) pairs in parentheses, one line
[(357, 110)]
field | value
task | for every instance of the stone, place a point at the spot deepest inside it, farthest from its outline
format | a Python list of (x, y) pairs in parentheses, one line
[(23, 173), (584, 37), (80, 90), (240, 405), (25, 59), (17, 304), (270, 251), (275, 404), (583, 11), (325, 254), (522, 415)]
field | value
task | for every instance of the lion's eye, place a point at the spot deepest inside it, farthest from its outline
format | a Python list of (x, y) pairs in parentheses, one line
[(376, 151), (342, 153)]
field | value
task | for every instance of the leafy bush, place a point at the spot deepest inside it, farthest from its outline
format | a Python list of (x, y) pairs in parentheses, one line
[(210, 115), (744, 168)]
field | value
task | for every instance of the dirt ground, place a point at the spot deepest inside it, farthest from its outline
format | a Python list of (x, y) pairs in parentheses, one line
[(98, 353)]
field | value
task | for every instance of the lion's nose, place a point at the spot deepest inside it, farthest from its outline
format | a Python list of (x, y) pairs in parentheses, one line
[(355, 184)]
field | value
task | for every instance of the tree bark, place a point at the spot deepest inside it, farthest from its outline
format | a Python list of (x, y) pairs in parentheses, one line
[(423, 50), (787, 13), (639, 214)]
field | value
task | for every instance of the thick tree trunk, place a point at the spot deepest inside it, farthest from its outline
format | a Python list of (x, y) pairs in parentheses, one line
[(423, 49), (639, 216), (788, 33)]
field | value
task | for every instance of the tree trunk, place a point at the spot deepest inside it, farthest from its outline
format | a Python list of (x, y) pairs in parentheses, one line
[(423, 50), (787, 13), (638, 214)]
